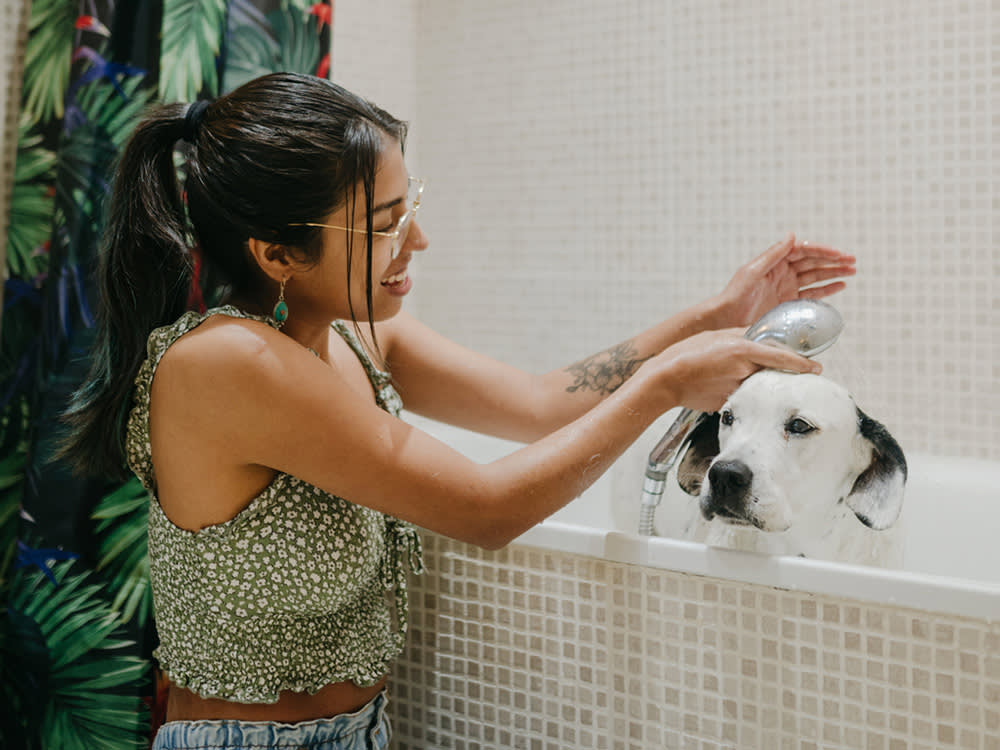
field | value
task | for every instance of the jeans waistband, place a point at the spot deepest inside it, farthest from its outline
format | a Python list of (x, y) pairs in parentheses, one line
[(322, 734)]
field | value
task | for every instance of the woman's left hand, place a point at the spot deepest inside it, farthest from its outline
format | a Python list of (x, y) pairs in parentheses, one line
[(781, 274)]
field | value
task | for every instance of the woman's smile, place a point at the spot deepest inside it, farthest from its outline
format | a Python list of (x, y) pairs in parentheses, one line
[(398, 284)]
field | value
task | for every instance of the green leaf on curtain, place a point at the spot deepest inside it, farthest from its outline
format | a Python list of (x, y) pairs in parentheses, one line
[(30, 204), (108, 112), (190, 42), (48, 57), (251, 53), (122, 550), (85, 158), (299, 39), (14, 432), (303, 5), (91, 696), (294, 45)]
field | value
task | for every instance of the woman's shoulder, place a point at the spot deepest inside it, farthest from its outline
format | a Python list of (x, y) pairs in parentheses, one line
[(228, 351), (218, 334)]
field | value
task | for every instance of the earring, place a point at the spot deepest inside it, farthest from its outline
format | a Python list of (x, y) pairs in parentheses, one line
[(280, 312)]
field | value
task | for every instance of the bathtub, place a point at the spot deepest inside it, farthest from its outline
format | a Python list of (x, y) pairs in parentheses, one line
[(584, 634)]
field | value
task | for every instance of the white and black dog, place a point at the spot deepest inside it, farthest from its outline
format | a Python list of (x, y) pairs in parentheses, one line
[(790, 465)]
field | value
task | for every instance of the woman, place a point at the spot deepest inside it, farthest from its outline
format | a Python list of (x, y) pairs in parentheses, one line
[(283, 485)]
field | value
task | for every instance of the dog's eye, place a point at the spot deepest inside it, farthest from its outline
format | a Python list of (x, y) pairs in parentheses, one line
[(798, 426), (726, 417)]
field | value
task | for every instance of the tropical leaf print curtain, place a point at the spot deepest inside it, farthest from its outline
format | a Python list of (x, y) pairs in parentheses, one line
[(76, 628)]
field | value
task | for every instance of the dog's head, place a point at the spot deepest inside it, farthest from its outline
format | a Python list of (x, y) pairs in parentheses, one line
[(785, 448)]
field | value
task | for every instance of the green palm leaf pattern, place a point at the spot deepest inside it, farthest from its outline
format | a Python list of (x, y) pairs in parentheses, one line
[(252, 52), (109, 113), (48, 57), (86, 155), (303, 5), (299, 39), (293, 45), (24, 668), (91, 696), (30, 203), (14, 431), (192, 33), (122, 550)]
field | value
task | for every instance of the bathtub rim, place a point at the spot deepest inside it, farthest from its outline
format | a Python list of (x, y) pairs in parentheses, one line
[(887, 587)]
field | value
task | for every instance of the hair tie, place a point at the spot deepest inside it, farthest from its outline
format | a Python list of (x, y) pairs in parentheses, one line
[(192, 119)]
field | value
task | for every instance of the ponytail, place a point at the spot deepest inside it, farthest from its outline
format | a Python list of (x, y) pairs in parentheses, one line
[(144, 275)]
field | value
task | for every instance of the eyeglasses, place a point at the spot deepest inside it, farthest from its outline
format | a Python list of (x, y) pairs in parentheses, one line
[(415, 188)]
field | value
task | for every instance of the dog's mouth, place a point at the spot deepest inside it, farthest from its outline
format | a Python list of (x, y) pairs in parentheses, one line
[(728, 515), (724, 514)]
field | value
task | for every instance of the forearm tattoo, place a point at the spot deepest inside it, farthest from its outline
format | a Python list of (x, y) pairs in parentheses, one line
[(605, 371)]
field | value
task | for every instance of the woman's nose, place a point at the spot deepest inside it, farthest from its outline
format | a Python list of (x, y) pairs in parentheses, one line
[(415, 238)]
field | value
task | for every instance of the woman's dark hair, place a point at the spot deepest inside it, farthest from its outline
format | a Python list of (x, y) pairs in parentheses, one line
[(281, 149)]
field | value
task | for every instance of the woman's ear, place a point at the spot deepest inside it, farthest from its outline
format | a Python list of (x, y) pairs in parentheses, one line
[(274, 260), (702, 447), (877, 495)]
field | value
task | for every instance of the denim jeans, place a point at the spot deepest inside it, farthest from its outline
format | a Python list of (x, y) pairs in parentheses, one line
[(367, 728)]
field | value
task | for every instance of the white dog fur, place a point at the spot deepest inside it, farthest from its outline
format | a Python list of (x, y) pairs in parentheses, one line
[(791, 466)]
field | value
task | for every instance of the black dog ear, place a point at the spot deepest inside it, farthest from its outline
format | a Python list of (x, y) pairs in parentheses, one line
[(877, 495), (702, 445)]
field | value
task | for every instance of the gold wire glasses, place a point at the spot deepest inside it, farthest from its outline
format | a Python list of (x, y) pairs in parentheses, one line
[(398, 234)]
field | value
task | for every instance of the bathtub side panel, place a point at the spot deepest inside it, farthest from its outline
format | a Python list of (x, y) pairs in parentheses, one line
[(533, 648)]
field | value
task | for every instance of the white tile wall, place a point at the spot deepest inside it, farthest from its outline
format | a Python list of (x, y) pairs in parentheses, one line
[(593, 167)]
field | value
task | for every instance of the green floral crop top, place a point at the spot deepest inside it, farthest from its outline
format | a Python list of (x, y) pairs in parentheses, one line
[(300, 589)]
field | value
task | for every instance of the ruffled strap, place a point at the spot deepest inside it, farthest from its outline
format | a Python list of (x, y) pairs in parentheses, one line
[(386, 395)]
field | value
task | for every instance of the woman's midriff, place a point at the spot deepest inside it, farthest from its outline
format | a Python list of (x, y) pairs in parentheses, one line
[(331, 700)]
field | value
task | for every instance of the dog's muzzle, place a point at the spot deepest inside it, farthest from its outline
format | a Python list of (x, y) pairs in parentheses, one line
[(729, 487)]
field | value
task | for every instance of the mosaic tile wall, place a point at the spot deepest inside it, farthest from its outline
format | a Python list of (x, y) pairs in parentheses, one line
[(525, 648), (592, 167)]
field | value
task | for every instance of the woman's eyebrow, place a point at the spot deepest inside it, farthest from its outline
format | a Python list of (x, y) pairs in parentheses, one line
[(387, 204)]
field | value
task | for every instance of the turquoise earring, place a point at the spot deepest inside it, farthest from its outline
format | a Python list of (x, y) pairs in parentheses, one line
[(280, 312)]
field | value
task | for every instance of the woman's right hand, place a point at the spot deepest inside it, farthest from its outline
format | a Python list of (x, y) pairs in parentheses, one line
[(701, 371)]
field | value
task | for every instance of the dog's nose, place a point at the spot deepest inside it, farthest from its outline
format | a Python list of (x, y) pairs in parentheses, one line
[(729, 479)]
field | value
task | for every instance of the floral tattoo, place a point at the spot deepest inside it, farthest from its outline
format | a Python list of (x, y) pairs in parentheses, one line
[(606, 371)]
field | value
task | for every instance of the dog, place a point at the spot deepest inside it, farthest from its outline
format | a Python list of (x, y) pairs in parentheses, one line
[(791, 466)]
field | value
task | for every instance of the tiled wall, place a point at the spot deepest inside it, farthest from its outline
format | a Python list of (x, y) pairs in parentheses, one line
[(593, 167), (525, 648)]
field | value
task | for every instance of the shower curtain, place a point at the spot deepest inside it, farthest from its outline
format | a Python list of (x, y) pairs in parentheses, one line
[(76, 627)]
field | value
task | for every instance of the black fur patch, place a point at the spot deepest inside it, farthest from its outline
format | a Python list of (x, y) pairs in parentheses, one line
[(889, 456), (702, 447), (887, 459)]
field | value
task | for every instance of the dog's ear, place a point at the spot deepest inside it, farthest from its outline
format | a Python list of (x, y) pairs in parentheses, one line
[(877, 495), (702, 447)]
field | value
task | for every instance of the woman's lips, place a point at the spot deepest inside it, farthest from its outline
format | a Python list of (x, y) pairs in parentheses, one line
[(399, 283)]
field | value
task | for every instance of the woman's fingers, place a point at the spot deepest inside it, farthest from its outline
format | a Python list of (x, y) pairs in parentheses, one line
[(818, 292), (808, 276), (774, 255), (779, 358), (808, 250)]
